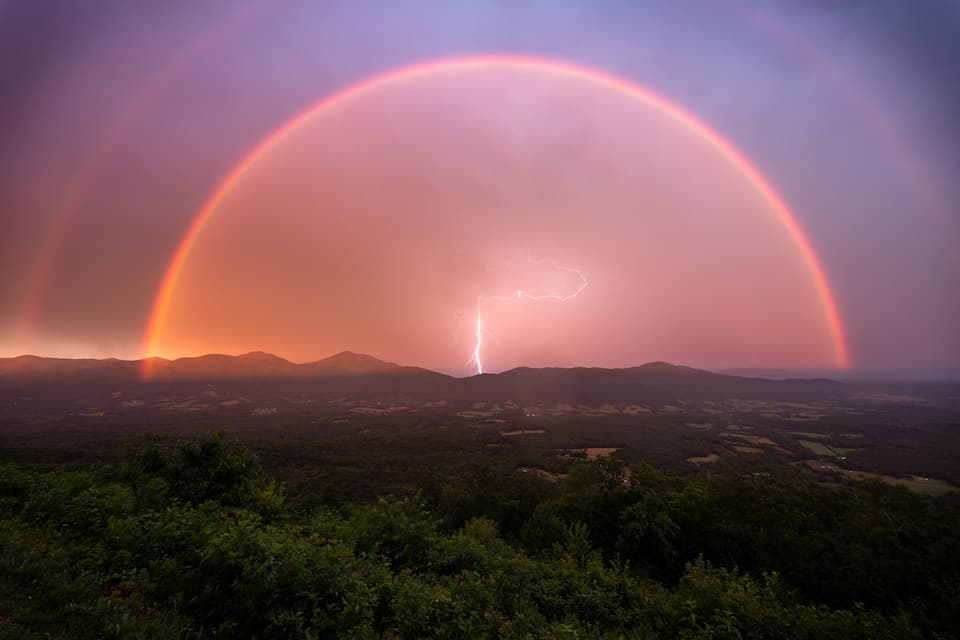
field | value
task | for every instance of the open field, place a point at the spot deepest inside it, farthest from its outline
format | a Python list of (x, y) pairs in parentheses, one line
[(329, 438), (917, 484), (554, 461)]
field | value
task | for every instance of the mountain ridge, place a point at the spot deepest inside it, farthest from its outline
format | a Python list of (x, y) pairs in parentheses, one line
[(262, 363), (210, 365), (362, 377)]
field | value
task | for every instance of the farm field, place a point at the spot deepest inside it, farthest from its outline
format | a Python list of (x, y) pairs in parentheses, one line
[(361, 444)]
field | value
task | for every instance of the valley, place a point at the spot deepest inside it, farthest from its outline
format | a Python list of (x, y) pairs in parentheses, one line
[(363, 427)]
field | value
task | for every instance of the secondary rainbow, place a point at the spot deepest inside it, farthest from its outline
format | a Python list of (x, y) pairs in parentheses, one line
[(723, 146), (84, 183)]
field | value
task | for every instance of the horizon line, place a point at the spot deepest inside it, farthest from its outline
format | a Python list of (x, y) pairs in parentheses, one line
[(878, 374)]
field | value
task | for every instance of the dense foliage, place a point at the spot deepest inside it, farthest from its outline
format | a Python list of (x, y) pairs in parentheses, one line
[(192, 542)]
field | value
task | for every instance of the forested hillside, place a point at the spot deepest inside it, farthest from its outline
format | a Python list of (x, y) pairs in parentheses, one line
[(192, 541)]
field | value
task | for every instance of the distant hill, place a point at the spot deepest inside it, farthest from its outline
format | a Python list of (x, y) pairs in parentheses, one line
[(356, 375), (256, 364), (347, 362), (35, 365), (656, 383)]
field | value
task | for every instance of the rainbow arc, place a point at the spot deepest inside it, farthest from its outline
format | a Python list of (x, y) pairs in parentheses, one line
[(734, 156)]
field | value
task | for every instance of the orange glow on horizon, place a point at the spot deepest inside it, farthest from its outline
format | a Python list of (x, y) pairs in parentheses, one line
[(736, 159), (85, 181)]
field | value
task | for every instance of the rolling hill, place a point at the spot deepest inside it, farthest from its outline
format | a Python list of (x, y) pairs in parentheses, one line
[(364, 376)]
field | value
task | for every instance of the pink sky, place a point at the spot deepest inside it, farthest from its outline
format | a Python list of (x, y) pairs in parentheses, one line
[(380, 224)]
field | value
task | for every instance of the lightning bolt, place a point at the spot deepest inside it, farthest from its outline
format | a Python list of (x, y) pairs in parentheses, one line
[(476, 350), (475, 359)]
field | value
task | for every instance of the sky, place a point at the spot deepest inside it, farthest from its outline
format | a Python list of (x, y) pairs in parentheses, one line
[(482, 185)]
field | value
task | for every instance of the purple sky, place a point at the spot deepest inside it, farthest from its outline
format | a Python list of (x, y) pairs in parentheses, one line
[(120, 118)]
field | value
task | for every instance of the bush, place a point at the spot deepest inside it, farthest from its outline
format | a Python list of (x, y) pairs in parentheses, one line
[(189, 542)]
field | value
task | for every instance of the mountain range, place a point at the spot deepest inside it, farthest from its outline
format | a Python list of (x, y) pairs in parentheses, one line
[(256, 364), (363, 376)]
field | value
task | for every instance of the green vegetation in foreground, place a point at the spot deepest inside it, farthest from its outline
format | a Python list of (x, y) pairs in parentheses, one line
[(192, 542)]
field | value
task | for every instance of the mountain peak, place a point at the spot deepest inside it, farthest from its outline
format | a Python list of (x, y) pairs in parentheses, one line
[(346, 353), (351, 362), (262, 356), (660, 365)]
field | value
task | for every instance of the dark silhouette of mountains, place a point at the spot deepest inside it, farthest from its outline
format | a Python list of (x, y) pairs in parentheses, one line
[(256, 364), (355, 377), (655, 383), (362, 376)]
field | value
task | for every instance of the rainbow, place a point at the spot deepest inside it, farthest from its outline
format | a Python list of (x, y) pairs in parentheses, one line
[(84, 183), (901, 155), (678, 114)]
